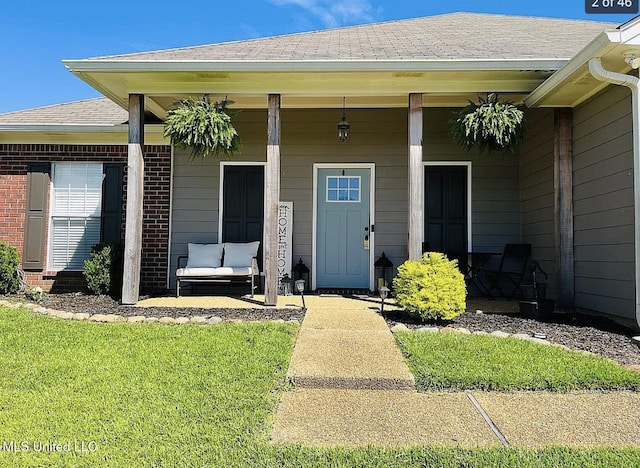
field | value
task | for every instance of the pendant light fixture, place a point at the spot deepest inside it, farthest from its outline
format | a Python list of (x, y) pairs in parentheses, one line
[(343, 125)]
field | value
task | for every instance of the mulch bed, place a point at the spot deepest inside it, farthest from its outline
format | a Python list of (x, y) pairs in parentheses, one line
[(595, 334), (80, 303)]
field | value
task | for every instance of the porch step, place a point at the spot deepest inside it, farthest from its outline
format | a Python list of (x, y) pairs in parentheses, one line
[(343, 292)]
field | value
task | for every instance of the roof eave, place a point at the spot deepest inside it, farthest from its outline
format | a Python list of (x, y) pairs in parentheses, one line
[(124, 66), (603, 43), (70, 128)]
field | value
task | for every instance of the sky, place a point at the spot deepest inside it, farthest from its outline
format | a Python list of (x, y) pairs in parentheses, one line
[(36, 35)]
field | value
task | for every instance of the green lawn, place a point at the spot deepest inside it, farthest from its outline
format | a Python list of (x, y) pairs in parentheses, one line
[(442, 361), (155, 395)]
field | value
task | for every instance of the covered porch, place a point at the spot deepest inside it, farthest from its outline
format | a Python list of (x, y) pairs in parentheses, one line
[(398, 137)]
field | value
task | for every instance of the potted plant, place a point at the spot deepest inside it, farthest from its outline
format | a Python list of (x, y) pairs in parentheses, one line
[(204, 127), (490, 124)]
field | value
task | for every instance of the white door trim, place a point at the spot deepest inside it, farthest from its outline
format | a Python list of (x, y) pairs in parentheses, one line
[(221, 194), (372, 211), (169, 269), (469, 200)]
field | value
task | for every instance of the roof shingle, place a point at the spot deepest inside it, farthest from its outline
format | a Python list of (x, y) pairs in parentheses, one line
[(455, 36), (99, 111)]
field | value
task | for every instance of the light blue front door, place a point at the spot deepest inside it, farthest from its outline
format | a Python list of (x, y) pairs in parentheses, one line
[(343, 228)]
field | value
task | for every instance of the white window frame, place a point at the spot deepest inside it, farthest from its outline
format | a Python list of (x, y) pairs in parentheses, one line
[(349, 189), (53, 216)]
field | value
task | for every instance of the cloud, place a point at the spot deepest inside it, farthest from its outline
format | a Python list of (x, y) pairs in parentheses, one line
[(335, 14)]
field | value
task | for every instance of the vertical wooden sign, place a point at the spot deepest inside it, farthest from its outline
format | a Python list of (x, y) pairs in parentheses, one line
[(285, 239)]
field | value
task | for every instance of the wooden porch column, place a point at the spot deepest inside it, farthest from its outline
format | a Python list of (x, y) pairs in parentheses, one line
[(272, 200), (416, 178), (135, 191), (563, 188)]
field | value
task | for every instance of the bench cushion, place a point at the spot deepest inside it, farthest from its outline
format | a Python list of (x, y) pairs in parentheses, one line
[(240, 255), (213, 272), (205, 255)]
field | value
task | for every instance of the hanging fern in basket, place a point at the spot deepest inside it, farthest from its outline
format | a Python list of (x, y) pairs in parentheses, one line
[(491, 124), (203, 127)]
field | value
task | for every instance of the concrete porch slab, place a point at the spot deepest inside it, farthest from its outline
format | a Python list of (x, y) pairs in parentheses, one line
[(312, 302), (219, 302), (540, 419), (387, 418), (489, 306)]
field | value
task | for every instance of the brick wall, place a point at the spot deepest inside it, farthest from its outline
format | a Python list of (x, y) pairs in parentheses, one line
[(14, 160), (13, 198), (155, 228)]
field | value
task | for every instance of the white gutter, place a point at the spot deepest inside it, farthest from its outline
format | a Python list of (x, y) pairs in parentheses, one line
[(63, 128), (633, 83), (597, 47), (74, 128)]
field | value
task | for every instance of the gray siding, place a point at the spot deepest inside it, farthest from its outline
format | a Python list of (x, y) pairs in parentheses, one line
[(377, 136), (196, 189), (537, 191), (494, 187), (603, 203)]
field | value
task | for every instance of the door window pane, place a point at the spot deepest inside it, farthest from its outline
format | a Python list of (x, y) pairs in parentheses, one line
[(343, 189)]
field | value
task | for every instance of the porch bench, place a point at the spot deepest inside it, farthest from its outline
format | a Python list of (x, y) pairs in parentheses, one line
[(219, 263)]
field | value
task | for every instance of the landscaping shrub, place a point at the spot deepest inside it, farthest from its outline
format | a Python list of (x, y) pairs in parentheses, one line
[(431, 288), (103, 270), (9, 264), (35, 294)]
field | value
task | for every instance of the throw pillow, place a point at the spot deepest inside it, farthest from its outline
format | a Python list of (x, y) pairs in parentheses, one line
[(205, 255), (240, 255)]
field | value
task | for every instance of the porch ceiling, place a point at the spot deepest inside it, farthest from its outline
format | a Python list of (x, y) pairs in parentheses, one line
[(314, 89)]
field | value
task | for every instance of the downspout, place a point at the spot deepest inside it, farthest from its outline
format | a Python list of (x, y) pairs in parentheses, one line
[(633, 83)]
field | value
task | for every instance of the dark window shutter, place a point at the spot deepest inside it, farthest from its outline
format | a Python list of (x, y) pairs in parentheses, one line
[(36, 221), (111, 222)]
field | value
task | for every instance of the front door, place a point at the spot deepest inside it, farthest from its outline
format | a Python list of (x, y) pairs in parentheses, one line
[(446, 210), (343, 234), (243, 204)]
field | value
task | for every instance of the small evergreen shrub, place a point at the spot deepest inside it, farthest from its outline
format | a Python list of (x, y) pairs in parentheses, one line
[(103, 270), (9, 264), (431, 288)]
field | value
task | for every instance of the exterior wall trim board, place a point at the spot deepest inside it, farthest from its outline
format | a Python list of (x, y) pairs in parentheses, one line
[(170, 231)]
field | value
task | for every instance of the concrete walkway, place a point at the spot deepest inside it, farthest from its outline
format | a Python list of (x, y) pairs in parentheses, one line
[(353, 388), (344, 344)]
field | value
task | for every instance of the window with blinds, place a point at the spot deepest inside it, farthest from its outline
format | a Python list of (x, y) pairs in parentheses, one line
[(76, 205)]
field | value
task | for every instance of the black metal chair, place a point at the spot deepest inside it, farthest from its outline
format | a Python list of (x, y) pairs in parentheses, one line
[(474, 276), (507, 279)]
